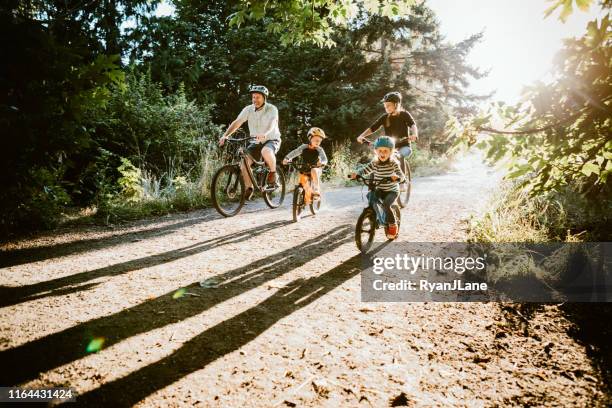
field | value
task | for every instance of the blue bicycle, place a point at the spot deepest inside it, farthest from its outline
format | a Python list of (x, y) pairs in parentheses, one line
[(373, 216)]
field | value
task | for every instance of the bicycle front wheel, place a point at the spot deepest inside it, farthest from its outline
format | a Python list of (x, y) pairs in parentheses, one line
[(365, 230), (298, 203), (275, 198), (227, 190)]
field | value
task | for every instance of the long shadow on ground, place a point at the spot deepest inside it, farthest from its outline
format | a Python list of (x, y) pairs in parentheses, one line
[(220, 339), (76, 282), (593, 328), (27, 255), (29, 360)]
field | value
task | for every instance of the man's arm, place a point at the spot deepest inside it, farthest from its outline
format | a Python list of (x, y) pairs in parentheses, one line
[(242, 117)]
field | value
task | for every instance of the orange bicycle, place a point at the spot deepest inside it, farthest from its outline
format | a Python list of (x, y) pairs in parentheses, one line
[(303, 194)]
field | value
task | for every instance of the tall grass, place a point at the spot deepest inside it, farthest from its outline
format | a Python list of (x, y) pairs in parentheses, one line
[(516, 216), (342, 163), (145, 194)]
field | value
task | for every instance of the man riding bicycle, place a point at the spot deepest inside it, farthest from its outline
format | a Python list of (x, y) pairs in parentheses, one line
[(397, 123), (262, 119)]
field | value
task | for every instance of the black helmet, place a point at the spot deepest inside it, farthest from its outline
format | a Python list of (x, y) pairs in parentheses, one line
[(259, 89), (394, 97)]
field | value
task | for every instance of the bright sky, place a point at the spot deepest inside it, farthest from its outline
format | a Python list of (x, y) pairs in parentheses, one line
[(518, 44)]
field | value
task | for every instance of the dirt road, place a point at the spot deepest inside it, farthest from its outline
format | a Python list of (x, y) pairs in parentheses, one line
[(280, 321)]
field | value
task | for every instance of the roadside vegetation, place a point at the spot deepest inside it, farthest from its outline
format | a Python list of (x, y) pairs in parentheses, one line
[(101, 120)]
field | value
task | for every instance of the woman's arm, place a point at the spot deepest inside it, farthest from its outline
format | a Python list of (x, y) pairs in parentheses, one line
[(414, 132), (365, 134)]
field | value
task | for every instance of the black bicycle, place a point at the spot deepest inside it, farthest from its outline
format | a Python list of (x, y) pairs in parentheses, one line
[(228, 187), (373, 217), (303, 192), (405, 187)]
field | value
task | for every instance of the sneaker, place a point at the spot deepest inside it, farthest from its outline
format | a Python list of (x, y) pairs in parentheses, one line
[(391, 231), (272, 180)]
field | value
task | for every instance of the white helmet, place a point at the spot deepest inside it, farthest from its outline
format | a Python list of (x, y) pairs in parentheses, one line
[(259, 89)]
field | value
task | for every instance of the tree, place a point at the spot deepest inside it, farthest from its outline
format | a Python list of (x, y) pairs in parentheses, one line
[(558, 139)]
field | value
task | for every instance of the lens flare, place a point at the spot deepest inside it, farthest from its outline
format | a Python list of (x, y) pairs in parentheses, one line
[(179, 293), (95, 345)]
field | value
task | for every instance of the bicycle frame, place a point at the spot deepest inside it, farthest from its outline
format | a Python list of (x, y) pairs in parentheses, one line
[(373, 202), (305, 179), (259, 164)]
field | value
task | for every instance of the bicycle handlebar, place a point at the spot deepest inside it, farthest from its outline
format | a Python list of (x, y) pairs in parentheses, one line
[(237, 139), (372, 180), (302, 166)]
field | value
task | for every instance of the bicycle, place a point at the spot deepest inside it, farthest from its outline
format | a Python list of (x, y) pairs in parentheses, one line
[(373, 217), (228, 186), (302, 193), (405, 187)]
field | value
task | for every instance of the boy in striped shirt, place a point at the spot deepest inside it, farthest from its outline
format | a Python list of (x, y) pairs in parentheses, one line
[(384, 166)]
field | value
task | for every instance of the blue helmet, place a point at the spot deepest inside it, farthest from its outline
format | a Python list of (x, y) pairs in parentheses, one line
[(384, 141)]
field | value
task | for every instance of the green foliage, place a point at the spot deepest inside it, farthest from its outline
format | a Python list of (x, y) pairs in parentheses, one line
[(74, 112), (48, 87), (153, 130), (342, 163), (131, 190), (560, 136), (312, 21)]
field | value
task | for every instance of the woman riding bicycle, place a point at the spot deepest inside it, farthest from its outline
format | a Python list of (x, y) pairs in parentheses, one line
[(397, 123)]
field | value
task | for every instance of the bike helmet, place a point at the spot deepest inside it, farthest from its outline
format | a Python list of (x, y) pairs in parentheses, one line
[(259, 89), (384, 141), (394, 97), (315, 131)]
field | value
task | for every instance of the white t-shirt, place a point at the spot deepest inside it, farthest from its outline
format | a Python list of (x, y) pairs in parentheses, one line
[(264, 121)]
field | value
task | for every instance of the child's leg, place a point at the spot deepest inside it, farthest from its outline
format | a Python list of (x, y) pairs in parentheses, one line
[(388, 198), (316, 175)]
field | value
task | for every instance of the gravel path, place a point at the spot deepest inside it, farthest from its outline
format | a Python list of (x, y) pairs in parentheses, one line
[(282, 323)]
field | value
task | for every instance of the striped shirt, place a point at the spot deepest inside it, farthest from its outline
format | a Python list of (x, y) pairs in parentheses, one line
[(381, 170)]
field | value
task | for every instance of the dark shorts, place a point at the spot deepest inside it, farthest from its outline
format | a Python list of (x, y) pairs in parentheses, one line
[(254, 148)]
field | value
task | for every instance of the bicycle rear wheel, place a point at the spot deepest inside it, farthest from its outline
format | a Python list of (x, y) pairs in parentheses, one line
[(365, 230), (227, 190), (404, 196), (276, 197)]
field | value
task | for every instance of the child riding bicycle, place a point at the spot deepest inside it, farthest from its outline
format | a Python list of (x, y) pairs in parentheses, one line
[(387, 192), (313, 156)]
